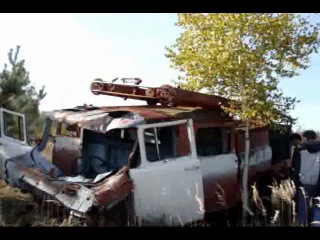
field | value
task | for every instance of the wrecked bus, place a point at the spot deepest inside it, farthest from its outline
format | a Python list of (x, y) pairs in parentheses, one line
[(169, 164)]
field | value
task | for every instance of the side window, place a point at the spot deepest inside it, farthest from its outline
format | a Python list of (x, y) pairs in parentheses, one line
[(213, 141), (13, 126), (162, 143), (68, 130), (47, 152)]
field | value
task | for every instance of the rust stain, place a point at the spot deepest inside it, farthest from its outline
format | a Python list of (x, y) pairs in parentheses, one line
[(165, 95), (192, 104), (113, 188), (36, 174), (105, 193), (66, 152), (71, 188), (158, 113)]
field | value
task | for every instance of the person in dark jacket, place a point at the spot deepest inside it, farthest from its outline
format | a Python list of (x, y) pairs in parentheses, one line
[(295, 163), (296, 141), (303, 176)]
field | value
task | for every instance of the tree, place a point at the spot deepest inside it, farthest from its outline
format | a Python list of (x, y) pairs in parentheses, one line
[(18, 94), (242, 57)]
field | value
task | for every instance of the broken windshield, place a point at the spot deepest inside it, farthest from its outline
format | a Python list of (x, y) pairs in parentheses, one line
[(105, 152)]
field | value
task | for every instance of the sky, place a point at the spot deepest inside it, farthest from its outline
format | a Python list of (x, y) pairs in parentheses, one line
[(65, 52)]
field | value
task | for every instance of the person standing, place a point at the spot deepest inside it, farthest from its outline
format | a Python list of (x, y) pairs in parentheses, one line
[(305, 174), (312, 192), (309, 135), (295, 161), (295, 165)]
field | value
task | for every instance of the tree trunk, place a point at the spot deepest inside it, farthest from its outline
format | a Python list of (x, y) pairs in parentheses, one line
[(245, 195)]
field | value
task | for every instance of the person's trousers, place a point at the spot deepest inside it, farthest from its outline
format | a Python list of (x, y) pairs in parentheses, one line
[(305, 209)]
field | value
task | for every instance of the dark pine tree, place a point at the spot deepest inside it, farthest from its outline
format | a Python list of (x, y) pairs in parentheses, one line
[(18, 94)]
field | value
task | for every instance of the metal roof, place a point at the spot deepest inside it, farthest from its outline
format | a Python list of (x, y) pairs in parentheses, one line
[(85, 116)]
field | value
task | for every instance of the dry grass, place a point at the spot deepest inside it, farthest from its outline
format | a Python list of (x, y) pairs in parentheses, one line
[(282, 199), (19, 209), (282, 204), (17, 205)]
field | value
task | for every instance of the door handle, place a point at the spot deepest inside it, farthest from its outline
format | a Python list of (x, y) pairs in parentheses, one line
[(192, 168)]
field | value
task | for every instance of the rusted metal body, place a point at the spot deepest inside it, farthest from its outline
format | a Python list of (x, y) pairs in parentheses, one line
[(165, 95), (114, 189), (107, 155), (179, 97), (118, 90), (66, 151), (202, 119)]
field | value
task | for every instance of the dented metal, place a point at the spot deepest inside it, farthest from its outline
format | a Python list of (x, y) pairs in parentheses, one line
[(74, 193), (65, 154), (102, 120), (113, 189), (25, 167)]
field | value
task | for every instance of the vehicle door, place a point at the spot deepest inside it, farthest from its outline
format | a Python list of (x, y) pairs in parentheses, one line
[(168, 184), (13, 135)]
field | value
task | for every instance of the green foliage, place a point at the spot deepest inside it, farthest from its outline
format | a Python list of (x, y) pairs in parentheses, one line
[(243, 56), (18, 94)]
